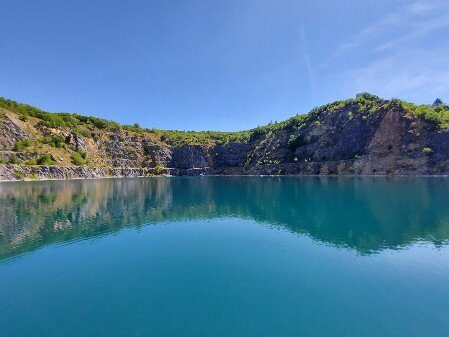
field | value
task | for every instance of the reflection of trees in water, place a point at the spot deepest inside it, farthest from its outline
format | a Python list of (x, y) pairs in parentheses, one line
[(363, 214)]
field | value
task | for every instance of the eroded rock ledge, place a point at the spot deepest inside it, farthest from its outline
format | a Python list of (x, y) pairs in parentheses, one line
[(20, 172)]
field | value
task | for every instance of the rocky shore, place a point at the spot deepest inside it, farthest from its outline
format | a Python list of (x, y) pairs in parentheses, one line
[(21, 172)]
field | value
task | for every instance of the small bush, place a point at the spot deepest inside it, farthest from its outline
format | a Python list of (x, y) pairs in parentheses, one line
[(19, 175), (46, 159), (79, 158), (54, 141), (14, 159), (437, 115), (85, 132), (367, 96), (437, 102), (427, 150), (22, 144), (30, 162)]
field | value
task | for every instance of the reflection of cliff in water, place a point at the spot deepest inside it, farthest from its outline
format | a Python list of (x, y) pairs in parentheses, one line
[(363, 214)]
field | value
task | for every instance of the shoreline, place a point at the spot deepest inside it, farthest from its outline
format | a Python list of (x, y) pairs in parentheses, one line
[(231, 175), (15, 173)]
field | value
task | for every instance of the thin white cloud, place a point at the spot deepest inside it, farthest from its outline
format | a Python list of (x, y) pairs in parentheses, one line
[(422, 7), (403, 57), (417, 31), (306, 58), (418, 74), (369, 33)]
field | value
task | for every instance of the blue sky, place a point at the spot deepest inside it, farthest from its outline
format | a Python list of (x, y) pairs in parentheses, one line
[(219, 65)]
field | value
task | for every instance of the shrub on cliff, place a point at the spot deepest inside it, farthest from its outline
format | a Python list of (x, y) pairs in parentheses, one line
[(437, 102), (427, 151), (14, 159), (438, 115), (22, 144), (54, 141), (46, 159), (30, 162), (79, 158), (367, 96)]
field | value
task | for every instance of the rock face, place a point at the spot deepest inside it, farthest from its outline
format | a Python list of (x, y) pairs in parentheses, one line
[(342, 140), (76, 142)]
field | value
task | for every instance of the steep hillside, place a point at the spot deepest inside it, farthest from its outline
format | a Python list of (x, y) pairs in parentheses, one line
[(362, 136)]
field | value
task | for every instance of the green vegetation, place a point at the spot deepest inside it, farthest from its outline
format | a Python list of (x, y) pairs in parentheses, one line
[(22, 144), (30, 162), (363, 106), (55, 120), (79, 158), (14, 159), (427, 150), (437, 113), (54, 141), (46, 159), (19, 175), (363, 103), (133, 128), (84, 125), (202, 137)]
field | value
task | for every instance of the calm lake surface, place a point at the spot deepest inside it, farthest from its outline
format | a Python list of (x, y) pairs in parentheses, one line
[(222, 256)]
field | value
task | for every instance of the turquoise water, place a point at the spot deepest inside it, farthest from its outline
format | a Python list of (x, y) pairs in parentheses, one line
[(225, 257)]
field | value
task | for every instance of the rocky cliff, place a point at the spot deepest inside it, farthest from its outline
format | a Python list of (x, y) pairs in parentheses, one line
[(362, 136)]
